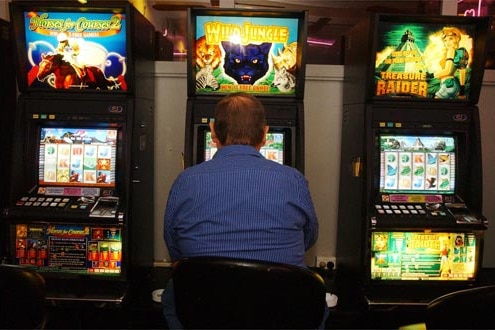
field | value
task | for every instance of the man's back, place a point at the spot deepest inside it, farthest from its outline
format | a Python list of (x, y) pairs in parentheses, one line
[(240, 204)]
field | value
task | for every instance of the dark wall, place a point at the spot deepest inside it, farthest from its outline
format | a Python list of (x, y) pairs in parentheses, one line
[(7, 110)]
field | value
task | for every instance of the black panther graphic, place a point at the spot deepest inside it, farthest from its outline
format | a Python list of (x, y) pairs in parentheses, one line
[(246, 63)]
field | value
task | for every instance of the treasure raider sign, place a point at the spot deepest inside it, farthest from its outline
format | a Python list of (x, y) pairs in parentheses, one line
[(428, 61)]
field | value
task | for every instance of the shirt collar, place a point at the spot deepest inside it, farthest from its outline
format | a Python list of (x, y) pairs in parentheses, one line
[(237, 149)]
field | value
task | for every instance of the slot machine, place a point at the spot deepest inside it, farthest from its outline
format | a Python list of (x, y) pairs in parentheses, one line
[(410, 204), (260, 52), (81, 190)]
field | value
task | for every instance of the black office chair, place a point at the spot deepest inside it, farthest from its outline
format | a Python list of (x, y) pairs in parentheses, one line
[(222, 293), (23, 293), (472, 308)]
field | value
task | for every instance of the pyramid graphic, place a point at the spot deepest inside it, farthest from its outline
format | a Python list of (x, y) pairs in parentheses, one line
[(411, 59)]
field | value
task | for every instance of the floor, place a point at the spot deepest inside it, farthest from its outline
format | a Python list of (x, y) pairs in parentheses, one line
[(93, 316), (139, 311)]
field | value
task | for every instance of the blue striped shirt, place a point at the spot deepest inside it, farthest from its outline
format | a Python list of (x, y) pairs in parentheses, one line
[(239, 204)]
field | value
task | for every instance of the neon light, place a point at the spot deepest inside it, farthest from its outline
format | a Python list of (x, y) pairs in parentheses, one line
[(472, 12), (321, 42)]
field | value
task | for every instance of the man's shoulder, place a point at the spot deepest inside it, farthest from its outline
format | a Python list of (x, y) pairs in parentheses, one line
[(256, 164), (274, 168)]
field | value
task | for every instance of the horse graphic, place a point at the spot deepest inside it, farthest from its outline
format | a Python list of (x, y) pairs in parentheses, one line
[(66, 76)]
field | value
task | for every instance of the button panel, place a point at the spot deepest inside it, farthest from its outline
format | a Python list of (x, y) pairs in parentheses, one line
[(410, 210), (51, 202)]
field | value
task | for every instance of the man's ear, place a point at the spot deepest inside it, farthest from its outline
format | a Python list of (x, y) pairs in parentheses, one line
[(214, 133), (264, 136)]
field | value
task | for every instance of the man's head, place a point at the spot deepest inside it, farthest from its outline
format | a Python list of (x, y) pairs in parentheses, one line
[(239, 119)]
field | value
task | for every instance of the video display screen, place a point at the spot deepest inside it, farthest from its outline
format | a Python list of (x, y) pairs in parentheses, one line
[(423, 256), (417, 164), (77, 157), (75, 50), (247, 52), (272, 150), (439, 59), (69, 248)]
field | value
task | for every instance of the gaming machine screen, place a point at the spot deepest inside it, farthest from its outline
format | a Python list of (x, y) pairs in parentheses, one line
[(272, 150), (77, 157), (417, 164)]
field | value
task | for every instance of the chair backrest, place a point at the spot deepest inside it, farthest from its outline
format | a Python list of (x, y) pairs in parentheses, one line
[(472, 308), (212, 292), (22, 294)]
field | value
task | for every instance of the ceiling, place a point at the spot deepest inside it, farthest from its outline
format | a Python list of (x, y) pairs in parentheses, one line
[(329, 20), (325, 16), (331, 11)]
